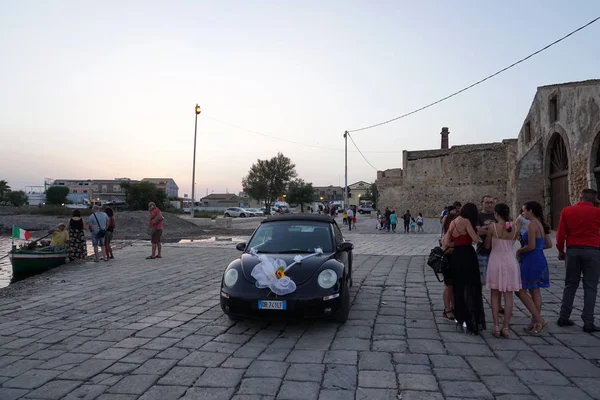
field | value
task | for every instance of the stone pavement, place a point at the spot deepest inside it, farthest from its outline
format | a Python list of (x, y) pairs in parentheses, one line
[(153, 329)]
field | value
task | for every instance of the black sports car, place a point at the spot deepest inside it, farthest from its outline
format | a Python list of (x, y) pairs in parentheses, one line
[(320, 281)]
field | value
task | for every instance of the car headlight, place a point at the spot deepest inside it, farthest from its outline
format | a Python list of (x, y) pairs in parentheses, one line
[(327, 278), (231, 277)]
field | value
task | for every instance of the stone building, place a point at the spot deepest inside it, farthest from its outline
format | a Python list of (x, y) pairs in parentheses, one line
[(557, 154), (559, 143), (432, 179)]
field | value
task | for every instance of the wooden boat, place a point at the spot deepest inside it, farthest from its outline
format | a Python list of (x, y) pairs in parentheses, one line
[(31, 262)]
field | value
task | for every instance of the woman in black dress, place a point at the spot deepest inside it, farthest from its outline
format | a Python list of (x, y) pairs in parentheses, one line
[(77, 244), (468, 298), (448, 289)]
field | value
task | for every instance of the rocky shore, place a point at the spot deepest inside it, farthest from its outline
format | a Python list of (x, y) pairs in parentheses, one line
[(131, 225)]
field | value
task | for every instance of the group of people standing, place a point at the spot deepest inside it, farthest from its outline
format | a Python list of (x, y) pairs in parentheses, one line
[(389, 220), (101, 225), (495, 264)]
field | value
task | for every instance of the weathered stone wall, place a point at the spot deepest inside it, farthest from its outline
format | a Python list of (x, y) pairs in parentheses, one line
[(578, 124), (514, 171), (528, 184), (432, 179)]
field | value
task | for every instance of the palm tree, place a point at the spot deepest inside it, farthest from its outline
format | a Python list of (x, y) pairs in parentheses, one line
[(4, 188)]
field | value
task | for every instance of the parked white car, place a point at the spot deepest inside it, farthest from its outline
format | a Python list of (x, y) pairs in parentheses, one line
[(256, 212), (238, 212), (264, 210)]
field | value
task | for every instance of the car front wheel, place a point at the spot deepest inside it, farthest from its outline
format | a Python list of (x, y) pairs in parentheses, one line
[(243, 215), (342, 314)]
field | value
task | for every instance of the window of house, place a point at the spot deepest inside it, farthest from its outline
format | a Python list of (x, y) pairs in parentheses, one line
[(553, 109), (527, 131), (85, 191)]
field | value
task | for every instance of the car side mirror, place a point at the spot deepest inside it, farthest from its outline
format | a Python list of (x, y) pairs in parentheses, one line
[(241, 246), (346, 246)]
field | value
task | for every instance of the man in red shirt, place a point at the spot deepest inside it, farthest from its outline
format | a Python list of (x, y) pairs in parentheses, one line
[(579, 226)]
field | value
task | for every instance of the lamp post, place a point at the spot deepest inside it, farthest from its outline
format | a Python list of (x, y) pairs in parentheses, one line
[(197, 110)]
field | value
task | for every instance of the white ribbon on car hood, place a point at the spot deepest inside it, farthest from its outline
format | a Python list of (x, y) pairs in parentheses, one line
[(270, 273)]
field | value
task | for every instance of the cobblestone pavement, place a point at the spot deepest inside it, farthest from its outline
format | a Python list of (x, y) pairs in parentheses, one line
[(153, 329)]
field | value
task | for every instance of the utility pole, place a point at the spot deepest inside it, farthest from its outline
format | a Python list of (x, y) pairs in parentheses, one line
[(346, 170), (197, 110)]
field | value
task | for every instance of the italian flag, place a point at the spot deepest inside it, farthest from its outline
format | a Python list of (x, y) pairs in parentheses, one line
[(19, 233)]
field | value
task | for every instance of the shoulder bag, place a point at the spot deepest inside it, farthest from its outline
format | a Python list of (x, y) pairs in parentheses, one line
[(101, 232), (438, 261)]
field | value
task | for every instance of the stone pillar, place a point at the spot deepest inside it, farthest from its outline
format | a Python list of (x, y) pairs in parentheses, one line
[(445, 133)]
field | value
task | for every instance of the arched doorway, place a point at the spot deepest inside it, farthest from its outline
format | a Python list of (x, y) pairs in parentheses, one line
[(559, 178)]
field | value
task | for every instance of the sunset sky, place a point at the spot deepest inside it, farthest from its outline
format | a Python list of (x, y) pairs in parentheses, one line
[(107, 89)]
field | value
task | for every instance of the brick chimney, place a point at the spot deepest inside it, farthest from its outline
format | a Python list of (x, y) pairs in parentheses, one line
[(445, 133)]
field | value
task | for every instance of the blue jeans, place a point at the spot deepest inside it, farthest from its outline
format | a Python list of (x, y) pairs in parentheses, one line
[(483, 266)]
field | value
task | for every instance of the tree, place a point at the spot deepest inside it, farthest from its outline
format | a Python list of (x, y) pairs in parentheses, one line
[(57, 195), (17, 198), (138, 195), (371, 194), (268, 179), (300, 192), (4, 188)]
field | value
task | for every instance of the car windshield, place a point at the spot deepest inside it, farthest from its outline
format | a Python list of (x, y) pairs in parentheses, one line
[(292, 237)]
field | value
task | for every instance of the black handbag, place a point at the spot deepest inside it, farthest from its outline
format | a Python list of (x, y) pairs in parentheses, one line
[(438, 261)]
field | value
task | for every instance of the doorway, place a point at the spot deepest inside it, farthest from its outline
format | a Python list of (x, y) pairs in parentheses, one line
[(559, 178)]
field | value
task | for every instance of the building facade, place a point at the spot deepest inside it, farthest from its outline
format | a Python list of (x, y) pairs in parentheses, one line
[(328, 193), (220, 200), (168, 185), (429, 180), (94, 189), (358, 190), (556, 154), (558, 147)]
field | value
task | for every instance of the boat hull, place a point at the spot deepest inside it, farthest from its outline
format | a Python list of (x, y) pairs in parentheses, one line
[(26, 263)]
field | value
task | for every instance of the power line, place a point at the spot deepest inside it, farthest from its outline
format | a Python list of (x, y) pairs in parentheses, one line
[(290, 141), (480, 81), (363, 156)]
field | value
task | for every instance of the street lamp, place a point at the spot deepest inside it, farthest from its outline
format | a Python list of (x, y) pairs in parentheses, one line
[(197, 110)]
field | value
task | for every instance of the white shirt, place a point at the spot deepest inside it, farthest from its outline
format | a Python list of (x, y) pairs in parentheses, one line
[(350, 213), (524, 223)]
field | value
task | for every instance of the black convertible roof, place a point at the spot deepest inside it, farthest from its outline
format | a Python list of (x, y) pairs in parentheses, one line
[(300, 217)]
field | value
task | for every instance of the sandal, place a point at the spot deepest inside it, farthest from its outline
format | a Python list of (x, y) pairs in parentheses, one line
[(158, 256), (445, 315), (538, 328), (150, 258), (497, 331), (506, 332)]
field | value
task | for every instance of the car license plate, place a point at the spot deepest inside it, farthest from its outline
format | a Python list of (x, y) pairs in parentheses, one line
[(271, 305)]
